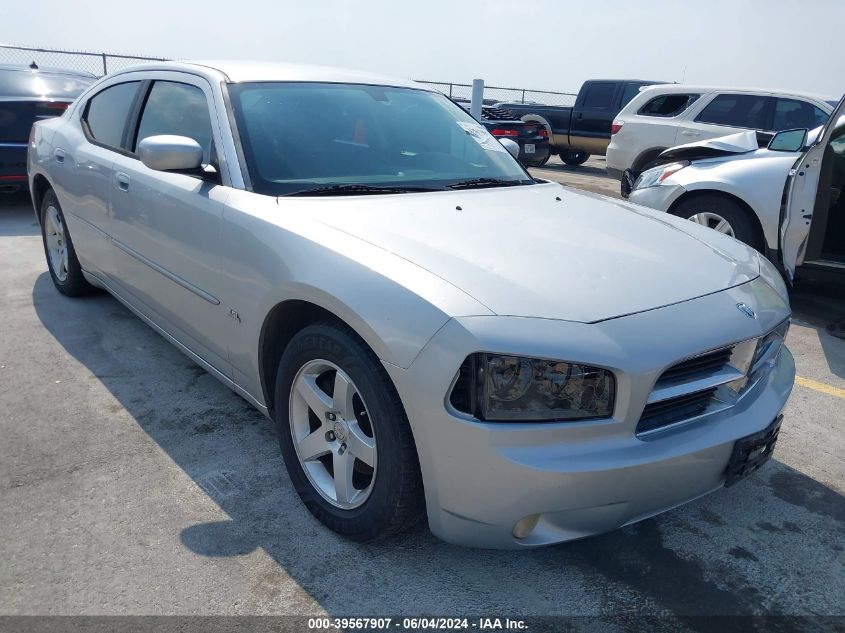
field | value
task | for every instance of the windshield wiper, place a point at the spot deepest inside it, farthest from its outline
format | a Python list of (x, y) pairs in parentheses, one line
[(352, 190), (477, 183)]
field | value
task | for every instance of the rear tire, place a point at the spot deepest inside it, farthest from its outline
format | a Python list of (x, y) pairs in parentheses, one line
[(62, 262), (370, 425), (538, 163), (722, 214), (573, 159)]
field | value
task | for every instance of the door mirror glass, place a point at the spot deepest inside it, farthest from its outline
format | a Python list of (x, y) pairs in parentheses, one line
[(165, 152), (789, 141), (511, 146)]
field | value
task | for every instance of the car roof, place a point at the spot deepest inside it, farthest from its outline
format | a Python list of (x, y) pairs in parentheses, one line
[(17, 81), (682, 88), (237, 71)]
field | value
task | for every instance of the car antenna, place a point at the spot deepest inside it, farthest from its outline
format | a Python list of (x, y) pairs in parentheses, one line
[(33, 65)]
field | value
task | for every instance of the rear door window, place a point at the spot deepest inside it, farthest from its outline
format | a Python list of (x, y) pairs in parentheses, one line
[(179, 109), (668, 105), (599, 96), (791, 114), (736, 110), (107, 111)]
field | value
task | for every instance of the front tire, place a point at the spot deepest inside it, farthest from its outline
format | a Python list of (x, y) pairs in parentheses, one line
[(723, 215), (573, 159), (344, 435), (62, 262)]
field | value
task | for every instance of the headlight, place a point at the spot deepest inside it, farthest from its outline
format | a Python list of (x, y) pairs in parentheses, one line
[(772, 276), (768, 349), (655, 176), (512, 388)]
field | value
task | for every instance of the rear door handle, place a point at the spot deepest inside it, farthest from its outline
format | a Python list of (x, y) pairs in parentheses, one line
[(690, 133), (122, 181), (59, 155)]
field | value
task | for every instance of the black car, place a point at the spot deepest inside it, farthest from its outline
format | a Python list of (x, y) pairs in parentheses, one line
[(27, 94), (532, 138)]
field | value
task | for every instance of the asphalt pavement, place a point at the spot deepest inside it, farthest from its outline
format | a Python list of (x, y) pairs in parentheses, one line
[(132, 482)]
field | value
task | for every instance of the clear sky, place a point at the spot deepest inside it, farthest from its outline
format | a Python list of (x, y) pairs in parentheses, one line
[(540, 44)]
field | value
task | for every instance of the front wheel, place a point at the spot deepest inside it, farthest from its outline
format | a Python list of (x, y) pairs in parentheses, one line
[(344, 435), (58, 247), (722, 215), (574, 159)]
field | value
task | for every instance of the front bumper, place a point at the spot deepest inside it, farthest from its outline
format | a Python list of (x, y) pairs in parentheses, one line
[(588, 477)]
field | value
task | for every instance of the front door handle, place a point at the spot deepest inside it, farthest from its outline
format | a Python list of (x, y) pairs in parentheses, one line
[(59, 155), (122, 181), (690, 133)]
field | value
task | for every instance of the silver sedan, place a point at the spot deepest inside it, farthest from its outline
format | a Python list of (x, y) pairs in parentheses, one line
[(433, 331)]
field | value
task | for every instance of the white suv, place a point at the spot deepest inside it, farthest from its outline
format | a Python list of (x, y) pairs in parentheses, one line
[(663, 116)]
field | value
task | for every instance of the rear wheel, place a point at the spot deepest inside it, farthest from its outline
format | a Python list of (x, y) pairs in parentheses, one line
[(538, 163), (58, 247), (574, 158), (344, 435), (723, 215)]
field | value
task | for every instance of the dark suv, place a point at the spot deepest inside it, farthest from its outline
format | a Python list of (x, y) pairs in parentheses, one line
[(28, 94)]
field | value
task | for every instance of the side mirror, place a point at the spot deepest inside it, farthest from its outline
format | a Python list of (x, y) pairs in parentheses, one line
[(511, 146), (170, 153), (789, 141)]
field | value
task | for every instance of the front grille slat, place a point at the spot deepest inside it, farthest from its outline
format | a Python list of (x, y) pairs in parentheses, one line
[(660, 414), (699, 365)]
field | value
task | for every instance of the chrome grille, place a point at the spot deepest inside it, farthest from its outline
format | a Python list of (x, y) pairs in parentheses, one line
[(698, 386)]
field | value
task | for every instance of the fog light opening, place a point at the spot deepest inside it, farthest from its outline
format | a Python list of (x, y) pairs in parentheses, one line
[(525, 526)]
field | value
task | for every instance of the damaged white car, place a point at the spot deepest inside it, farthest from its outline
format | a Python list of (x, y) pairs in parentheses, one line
[(732, 185)]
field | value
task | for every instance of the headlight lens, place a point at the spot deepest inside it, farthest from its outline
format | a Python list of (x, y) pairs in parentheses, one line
[(772, 276), (497, 387), (768, 349), (655, 176)]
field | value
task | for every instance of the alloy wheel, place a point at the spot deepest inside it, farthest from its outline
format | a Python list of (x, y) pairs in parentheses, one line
[(332, 434), (54, 230), (713, 221)]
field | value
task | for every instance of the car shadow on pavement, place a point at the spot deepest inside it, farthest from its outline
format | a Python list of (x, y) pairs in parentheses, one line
[(16, 216), (740, 551)]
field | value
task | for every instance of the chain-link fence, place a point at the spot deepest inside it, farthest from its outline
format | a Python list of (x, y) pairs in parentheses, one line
[(100, 64), (495, 94), (97, 64)]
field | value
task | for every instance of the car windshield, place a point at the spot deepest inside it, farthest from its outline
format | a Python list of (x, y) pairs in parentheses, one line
[(327, 139)]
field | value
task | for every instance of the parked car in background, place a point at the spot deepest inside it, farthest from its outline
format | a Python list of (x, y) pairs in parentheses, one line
[(578, 131), (432, 330), (736, 188), (29, 94), (532, 138), (664, 116)]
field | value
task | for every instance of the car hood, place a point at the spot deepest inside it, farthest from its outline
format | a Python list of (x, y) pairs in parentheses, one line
[(546, 251), (739, 143)]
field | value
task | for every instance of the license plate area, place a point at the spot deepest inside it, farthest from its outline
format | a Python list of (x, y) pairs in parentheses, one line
[(529, 148), (752, 452)]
